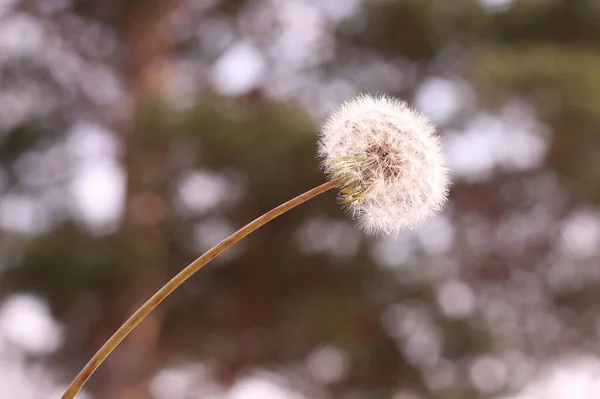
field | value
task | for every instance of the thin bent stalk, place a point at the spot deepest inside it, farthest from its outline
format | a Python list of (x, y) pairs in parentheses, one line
[(176, 281)]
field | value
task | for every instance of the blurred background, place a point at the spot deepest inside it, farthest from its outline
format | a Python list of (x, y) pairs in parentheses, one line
[(136, 134)]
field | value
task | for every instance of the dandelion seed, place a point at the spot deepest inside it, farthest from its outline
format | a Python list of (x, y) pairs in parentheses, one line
[(389, 160)]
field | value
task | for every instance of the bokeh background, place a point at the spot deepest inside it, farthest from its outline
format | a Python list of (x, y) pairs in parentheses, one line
[(136, 134)]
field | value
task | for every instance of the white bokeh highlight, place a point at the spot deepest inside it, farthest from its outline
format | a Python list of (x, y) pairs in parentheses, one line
[(240, 69), (26, 322), (512, 141), (98, 184), (577, 377), (455, 299), (327, 364), (441, 99)]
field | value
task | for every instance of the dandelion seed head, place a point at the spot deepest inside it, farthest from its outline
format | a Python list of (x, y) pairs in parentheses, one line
[(389, 161)]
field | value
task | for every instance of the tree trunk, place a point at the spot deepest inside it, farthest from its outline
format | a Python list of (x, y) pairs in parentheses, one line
[(145, 237)]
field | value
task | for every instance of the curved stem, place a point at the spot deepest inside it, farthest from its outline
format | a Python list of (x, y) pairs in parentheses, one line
[(176, 281)]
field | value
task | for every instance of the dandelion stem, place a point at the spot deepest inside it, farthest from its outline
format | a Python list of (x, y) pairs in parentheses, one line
[(176, 281)]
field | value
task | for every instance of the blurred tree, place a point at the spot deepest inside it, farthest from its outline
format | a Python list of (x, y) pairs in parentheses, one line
[(200, 160)]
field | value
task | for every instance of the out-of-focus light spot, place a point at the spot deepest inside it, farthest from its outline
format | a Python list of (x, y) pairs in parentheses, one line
[(23, 379), (239, 69), (337, 10), (526, 397), (488, 374), (41, 168), (98, 185), (393, 252), (575, 378), (338, 238), (424, 347), (406, 394), (321, 100), (401, 321), (179, 382), (580, 235), (100, 85), (441, 98), (20, 35), (53, 6), (200, 192), (201, 4), (442, 376), (381, 76), (215, 35), (513, 141), (182, 86), (170, 384), (64, 65), (99, 190), (303, 39), (23, 101), (437, 235), (3, 180), (97, 40), (5, 5), (516, 230), (25, 321), (327, 364), (456, 299), (88, 140), (520, 368), (496, 5), (420, 340), (22, 214), (261, 388)]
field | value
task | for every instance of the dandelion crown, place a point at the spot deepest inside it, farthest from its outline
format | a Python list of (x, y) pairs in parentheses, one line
[(386, 161)]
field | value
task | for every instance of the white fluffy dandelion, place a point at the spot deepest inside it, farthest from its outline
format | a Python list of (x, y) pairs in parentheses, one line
[(384, 157), (388, 159)]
